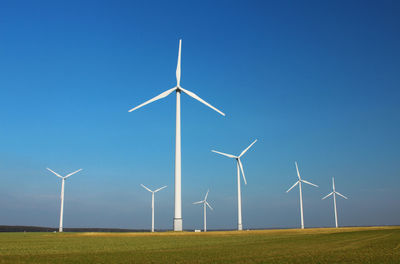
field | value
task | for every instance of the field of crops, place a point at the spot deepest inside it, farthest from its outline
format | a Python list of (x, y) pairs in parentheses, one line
[(343, 245)]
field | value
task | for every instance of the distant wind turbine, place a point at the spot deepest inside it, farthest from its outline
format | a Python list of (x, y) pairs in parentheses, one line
[(334, 192), (152, 203), (239, 167), (60, 229), (301, 195), (178, 222), (205, 204)]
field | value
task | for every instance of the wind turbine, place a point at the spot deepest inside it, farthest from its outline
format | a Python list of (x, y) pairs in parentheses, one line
[(239, 167), (152, 203), (205, 204), (60, 229), (301, 195), (178, 223), (334, 192)]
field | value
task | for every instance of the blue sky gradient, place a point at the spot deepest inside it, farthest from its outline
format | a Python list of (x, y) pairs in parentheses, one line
[(313, 81)]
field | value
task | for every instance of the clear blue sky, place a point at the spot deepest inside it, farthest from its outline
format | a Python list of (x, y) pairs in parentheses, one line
[(313, 81)]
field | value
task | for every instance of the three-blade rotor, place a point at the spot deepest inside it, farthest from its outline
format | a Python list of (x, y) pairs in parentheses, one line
[(334, 191), (205, 201), (177, 88), (65, 177), (239, 162), (300, 179), (159, 189)]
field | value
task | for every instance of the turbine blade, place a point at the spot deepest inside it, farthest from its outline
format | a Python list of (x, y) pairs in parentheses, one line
[(333, 183), (146, 188), (55, 173), (309, 183), (209, 205), (341, 195), (178, 66), (69, 175), (158, 97), (297, 168), (159, 189), (327, 196), (241, 168), (205, 198), (200, 100), (224, 154), (244, 151), (293, 186), (199, 202)]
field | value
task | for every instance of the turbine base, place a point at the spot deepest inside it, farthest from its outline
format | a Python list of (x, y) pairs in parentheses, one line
[(240, 227), (178, 224)]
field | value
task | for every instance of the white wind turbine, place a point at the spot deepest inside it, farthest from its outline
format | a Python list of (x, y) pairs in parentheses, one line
[(152, 203), (334, 192), (301, 195), (178, 223), (205, 204), (239, 167), (60, 229)]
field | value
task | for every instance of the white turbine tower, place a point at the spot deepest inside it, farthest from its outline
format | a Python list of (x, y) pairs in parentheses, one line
[(152, 203), (301, 195), (60, 229), (334, 192), (239, 167), (205, 204), (178, 223)]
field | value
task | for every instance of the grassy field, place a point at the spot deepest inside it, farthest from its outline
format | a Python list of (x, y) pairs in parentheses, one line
[(324, 245)]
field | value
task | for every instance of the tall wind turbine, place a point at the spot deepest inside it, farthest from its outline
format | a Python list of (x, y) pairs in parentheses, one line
[(205, 204), (152, 203), (301, 195), (60, 229), (334, 192), (178, 223), (239, 167)]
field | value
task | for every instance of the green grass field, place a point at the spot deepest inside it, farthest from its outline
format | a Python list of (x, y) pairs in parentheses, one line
[(325, 245)]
